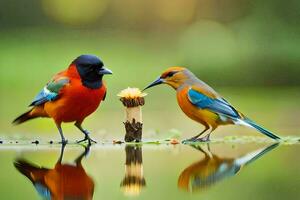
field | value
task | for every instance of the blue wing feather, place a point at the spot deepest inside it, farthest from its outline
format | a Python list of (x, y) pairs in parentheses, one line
[(42, 191), (49, 92), (219, 106), (43, 96)]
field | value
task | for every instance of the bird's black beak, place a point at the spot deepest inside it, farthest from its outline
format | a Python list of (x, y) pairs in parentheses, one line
[(104, 70), (156, 82)]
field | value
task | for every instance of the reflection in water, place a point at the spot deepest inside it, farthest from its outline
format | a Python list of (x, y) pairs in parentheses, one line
[(64, 181), (212, 168), (134, 180)]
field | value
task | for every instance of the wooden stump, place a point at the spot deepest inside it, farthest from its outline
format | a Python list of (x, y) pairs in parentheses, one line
[(133, 131)]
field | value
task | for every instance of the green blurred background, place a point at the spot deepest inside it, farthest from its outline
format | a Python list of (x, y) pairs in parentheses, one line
[(249, 50)]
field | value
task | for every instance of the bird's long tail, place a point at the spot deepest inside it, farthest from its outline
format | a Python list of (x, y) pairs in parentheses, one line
[(24, 117), (31, 171), (37, 111), (254, 155), (252, 124)]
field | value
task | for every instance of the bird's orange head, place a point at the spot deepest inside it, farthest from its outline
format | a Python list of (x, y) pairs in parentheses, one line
[(173, 76)]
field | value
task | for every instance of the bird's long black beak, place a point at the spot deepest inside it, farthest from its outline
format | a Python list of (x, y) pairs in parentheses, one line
[(156, 82), (104, 70)]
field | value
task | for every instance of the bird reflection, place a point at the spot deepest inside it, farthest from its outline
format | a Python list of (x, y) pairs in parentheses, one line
[(134, 180), (64, 181), (213, 168)]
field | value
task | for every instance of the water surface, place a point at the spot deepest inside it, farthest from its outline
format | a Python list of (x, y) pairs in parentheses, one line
[(106, 171)]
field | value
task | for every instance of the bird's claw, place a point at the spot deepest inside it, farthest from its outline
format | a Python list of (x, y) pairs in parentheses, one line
[(63, 142), (187, 141), (193, 140), (92, 141), (203, 139), (87, 138)]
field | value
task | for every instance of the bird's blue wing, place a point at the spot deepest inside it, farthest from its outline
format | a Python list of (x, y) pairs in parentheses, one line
[(223, 171), (218, 105), (50, 92), (43, 191)]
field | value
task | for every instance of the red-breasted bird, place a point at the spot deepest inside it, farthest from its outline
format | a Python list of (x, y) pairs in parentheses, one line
[(64, 181), (203, 104), (71, 95)]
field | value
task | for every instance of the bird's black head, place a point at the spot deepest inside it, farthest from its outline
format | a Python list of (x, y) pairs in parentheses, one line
[(91, 70)]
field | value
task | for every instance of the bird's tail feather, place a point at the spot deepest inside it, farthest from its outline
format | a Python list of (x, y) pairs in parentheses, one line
[(252, 156), (24, 117), (31, 171), (261, 129)]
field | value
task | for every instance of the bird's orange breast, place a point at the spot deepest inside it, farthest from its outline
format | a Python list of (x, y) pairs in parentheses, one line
[(202, 116), (69, 181), (75, 102)]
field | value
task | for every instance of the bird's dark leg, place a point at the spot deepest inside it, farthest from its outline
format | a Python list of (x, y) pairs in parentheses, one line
[(86, 134), (196, 138), (204, 139), (61, 153), (85, 153), (207, 137), (63, 140), (208, 147), (199, 148), (206, 154)]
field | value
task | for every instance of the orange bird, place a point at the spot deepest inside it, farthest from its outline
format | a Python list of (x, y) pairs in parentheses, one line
[(71, 95), (203, 104), (64, 181), (213, 168)]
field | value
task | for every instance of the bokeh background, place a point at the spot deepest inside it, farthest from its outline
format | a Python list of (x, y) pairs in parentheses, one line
[(249, 50)]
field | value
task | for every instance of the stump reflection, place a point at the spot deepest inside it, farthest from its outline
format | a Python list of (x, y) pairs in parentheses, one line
[(134, 180)]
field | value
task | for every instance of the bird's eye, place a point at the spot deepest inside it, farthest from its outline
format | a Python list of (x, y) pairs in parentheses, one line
[(171, 73)]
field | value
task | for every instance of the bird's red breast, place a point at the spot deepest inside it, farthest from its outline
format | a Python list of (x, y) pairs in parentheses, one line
[(64, 181), (69, 181), (75, 101)]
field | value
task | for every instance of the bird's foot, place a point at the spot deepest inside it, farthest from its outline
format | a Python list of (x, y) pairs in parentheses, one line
[(187, 141), (92, 141), (63, 142), (196, 139), (203, 139), (87, 138)]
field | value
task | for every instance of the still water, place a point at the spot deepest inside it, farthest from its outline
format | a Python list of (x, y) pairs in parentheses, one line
[(149, 171)]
